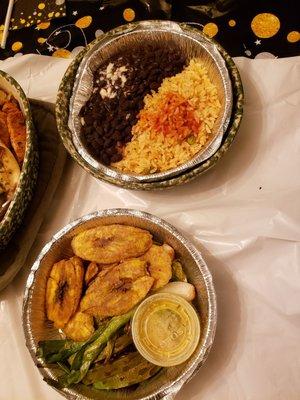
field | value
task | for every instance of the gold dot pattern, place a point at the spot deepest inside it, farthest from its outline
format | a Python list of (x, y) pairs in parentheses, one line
[(43, 25), (84, 22), (128, 14), (62, 53), (41, 40), (16, 46), (31, 14), (265, 25), (293, 37), (210, 29)]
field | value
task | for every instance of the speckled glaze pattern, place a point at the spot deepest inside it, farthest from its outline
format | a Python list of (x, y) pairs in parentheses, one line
[(14, 215), (62, 115)]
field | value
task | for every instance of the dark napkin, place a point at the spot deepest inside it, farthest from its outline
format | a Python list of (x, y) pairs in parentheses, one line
[(31, 12)]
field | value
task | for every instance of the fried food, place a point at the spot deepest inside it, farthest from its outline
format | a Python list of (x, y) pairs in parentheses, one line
[(80, 327), (4, 134), (94, 270), (3, 97), (64, 287), (91, 272), (122, 287), (10, 106), (17, 133), (159, 259), (9, 172), (111, 243)]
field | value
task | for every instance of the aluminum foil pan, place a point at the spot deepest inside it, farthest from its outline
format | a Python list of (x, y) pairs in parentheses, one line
[(192, 44), (168, 382)]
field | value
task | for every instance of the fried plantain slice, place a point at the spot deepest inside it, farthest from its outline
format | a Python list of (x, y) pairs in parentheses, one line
[(80, 327), (63, 290), (159, 259), (111, 243), (94, 270), (91, 272), (121, 299), (116, 273), (119, 291)]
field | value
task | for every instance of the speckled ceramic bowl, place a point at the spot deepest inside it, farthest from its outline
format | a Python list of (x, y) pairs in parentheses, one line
[(62, 116), (14, 214)]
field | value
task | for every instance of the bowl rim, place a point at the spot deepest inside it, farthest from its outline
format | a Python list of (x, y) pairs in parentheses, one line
[(62, 105), (195, 254), (29, 152)]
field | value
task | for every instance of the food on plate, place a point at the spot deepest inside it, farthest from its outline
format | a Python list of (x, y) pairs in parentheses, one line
[(63, 292), (119, 290), (12, 148), (119, 88), (9, 173), (79, 327), (150, 110), (183, 289), (93, 303), (12, 126), (91, 272), (111, 243), (127, 370), (17, 131), (166, 329), (177, 272), (159, 259), (4, 134), (175, 123)]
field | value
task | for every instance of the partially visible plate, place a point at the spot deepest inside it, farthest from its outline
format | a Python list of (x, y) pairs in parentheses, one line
[(52, 159), (23, 193)]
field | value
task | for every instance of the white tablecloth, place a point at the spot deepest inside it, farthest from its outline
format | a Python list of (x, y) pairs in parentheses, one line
[(244, 215)]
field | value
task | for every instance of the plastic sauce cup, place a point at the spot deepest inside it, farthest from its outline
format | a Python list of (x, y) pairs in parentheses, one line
[(166, 329)]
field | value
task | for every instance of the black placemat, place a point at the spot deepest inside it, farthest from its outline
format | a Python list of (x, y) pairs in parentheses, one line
[(251, 28)]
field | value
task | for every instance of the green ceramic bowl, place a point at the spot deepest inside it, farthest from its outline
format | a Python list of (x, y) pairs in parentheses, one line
[(62, 116), (14, 214)]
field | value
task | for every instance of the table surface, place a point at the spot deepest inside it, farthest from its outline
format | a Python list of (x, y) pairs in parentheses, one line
[(243, 215)]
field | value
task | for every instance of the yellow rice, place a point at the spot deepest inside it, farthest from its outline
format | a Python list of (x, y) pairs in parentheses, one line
[(144, 155)]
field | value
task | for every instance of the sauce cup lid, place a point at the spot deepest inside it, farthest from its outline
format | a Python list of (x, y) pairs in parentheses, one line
[(166, 329)]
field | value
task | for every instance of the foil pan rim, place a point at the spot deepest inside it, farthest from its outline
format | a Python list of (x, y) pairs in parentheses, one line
[(167, 391), (202, 155)]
